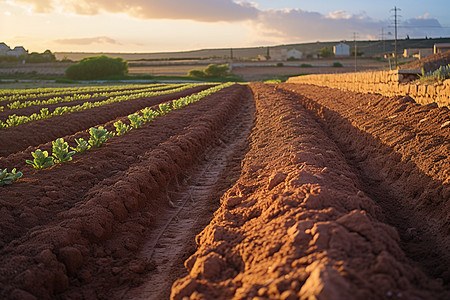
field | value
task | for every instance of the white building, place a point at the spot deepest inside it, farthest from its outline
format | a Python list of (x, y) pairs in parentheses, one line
[(4, 49), (294, 53), (341, 49), (439, 48), (17, 51)]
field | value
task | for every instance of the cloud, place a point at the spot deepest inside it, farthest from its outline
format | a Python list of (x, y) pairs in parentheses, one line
[(87, 41), (278, 26), (292, 25), (423, 26), (196, 10)]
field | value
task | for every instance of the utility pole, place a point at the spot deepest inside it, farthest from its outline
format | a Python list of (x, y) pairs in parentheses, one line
[(231, 53), (356, 49), (395, 24)]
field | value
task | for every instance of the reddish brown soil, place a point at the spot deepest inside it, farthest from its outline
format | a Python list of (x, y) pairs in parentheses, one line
[(341, 196), (18, 138), (75, 224), (304, 222)]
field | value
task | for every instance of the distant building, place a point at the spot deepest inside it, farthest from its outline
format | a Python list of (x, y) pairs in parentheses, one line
[(17, 51), (341, 49), (279, 54), (417, 52), (4, 49), (438, 48), (262, 57), (294, 53)]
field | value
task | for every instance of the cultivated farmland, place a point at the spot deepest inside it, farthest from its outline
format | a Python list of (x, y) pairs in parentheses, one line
[(207, 191)]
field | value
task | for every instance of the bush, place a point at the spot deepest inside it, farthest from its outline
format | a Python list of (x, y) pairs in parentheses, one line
[(337, 65), (305, 66), (97, 67), (279, 65), (214, 70), (325, 52), (210, 71), (196, 73)]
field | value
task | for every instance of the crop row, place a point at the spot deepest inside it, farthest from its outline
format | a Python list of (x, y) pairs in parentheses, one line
[(98, 136), (23, 94), (54, 100), (14, 120)]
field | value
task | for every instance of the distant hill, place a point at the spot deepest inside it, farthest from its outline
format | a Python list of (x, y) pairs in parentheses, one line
[(370, 48)]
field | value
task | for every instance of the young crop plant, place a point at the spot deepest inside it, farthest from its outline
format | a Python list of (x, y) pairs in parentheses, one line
[(8, 178), (99, 136), (135, 120), (41, 160), (148, 114), (82, 146), (164, 108), (61, 151), (121, 127)]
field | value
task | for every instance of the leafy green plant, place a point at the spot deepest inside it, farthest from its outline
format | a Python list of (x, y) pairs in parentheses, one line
[(121, 127), (148, 114), (82, 146), (8, 178), (135, 120), (337, 65), (44, 112), (61, 151), (41, 159), (164, 108), (99, 136)]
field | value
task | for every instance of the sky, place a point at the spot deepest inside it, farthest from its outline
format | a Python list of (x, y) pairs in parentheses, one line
[(170, 25)]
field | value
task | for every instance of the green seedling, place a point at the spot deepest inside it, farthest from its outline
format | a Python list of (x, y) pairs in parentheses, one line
[(148, 114), (121, 127), (61, 151), (99, 136), (164, 108), (82, 146), (135, 120), (8, 178), (41, 160), (44, 112)]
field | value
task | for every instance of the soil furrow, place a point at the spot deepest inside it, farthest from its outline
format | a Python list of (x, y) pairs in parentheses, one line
[(422, 223), (194, 201), (297, 225), (20, 137), (97, 235)]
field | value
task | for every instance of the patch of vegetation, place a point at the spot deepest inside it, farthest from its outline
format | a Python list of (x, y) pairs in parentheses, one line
[(337, 65), (279, 65), (211, 71), (97, 67), (305, 66), (325, 52), (438, 75)]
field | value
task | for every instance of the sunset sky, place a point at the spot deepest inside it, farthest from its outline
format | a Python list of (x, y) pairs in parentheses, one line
[(169, 25)]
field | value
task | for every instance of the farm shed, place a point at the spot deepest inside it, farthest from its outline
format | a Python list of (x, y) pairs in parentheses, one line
[(341, 49), (296, 54)]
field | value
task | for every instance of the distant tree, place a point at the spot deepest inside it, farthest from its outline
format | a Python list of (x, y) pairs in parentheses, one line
[(46, 56), (97, 67), (358, 53), (210, 71), (214, 70), (196, 73), (325, 52)]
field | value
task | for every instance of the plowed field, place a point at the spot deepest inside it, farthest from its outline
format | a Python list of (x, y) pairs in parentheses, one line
[(255, 192)]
